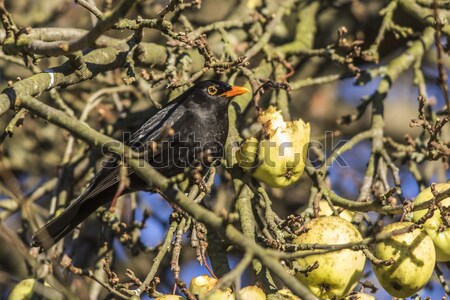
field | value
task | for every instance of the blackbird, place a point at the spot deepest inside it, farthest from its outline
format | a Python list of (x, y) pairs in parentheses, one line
[(177, 137)]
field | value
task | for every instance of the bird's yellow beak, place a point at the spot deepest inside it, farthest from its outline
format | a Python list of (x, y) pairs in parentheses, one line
[(235, 91)]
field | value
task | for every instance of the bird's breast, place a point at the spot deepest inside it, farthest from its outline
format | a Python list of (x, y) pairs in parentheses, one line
[(198, 139)]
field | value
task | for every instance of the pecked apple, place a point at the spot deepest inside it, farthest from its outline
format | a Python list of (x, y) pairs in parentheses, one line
[(278, 158)]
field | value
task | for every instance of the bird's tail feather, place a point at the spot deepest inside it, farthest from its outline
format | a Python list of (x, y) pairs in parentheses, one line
[(70, 218)]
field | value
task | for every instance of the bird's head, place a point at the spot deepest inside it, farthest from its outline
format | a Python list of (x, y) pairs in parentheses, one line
[(214, 89)]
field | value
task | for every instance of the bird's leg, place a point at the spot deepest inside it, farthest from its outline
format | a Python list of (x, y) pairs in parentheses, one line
[(196, 175), (112, 207), (199, 175), (123, 184)]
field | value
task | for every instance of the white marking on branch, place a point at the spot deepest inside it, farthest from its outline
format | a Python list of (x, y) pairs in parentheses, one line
[(52, 78)]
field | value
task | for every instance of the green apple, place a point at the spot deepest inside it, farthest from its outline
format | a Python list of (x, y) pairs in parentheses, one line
[(339, 271), (414, 256), (278, 159), (434, 226)]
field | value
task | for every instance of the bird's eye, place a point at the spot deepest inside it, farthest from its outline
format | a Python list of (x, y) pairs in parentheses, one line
[(212, 90)]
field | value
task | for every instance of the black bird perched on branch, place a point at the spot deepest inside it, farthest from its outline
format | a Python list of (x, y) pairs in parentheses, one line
[(175, 138)]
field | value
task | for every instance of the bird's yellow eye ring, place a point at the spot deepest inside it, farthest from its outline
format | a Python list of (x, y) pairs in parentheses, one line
[(212, 90)]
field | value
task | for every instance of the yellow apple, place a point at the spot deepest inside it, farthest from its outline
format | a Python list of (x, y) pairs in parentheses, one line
[(434, 226), (201, 285), (414, 256), (287, 294), (219, 295), (360, 296), (325, 210), (170, 297), (339, 271), (24, 290), (252, 293)]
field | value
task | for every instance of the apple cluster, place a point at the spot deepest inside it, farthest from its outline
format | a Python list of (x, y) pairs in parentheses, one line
[(405, 256)]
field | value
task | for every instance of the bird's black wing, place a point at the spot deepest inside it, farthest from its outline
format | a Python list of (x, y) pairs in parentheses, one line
[(157, 124), (152, 130)]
